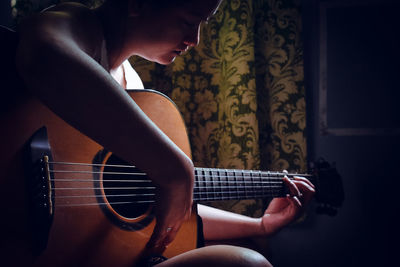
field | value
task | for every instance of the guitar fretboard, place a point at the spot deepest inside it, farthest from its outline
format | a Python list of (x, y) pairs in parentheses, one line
[(228, 184)]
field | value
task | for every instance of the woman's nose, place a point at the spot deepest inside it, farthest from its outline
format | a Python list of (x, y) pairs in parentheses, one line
[(193, 37)]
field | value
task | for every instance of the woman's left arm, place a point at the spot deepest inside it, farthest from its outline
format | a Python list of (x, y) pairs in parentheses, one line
[(223, 225)]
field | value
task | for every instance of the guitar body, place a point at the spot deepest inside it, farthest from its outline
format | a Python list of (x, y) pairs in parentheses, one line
[(79, 235)]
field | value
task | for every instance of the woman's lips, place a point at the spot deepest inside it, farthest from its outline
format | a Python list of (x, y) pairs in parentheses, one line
[(181, 51)]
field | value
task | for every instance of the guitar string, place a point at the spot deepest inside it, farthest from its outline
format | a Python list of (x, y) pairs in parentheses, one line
[(149, 181), (248, 188), (199, 195), (97, 195), (152, 194), (150, 201), (238, 176), (145, 188), (196, 168), (246, 192), (91, 164), (256, 177)]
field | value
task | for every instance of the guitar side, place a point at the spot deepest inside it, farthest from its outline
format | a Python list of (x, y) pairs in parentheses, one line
[(80, 235)]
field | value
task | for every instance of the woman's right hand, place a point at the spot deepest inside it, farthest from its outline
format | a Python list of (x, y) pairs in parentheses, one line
[(174, 198)]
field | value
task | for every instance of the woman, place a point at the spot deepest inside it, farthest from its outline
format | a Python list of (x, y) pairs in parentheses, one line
[(69, 53)]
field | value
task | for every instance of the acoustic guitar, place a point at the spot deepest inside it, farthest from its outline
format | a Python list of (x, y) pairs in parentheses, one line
[(66, 201)]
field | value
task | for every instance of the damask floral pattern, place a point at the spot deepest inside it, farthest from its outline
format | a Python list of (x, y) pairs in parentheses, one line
[(241, 91)]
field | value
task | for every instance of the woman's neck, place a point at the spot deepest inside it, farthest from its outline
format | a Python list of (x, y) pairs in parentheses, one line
[(113, 20)]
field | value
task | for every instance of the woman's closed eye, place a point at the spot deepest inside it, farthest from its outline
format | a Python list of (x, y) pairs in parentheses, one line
[(190, 24)]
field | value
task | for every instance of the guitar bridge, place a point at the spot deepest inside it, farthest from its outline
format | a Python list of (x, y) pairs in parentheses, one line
[(40, 183), (46, 186)]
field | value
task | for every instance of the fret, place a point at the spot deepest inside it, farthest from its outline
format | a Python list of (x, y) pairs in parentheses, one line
[(217, 182), (202, 185), (281, 190), (272, 180), (255, 178), (197, 174), (221, 181), (274, 184), (241, 184), (277, 188), (236, 186), (232, 184), (224, 181), (269, 178), (248, 184), (196, 181), (255, 181), (265, 178), (253, 189), (239, 188), (209, 184), (260, 185)]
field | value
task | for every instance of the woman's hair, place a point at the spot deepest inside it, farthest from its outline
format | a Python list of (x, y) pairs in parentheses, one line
[(167, 3)]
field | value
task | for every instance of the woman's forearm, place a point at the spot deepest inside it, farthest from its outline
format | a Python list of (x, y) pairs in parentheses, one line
[(222, 225)]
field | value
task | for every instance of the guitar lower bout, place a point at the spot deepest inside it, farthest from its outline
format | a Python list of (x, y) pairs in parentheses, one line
[(101, 208)]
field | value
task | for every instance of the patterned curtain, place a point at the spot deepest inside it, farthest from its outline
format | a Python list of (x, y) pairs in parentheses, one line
[(241, 91)]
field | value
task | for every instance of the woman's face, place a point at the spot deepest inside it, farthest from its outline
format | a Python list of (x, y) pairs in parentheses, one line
[(166, 33)]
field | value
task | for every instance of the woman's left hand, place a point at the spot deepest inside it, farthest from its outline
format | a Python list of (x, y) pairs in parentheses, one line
[(282, 211)]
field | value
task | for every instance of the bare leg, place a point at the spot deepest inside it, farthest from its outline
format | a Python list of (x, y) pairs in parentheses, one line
[(219, 255)]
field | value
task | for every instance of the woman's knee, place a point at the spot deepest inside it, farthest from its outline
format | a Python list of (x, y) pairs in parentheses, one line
[(248, 257), (220, 255)]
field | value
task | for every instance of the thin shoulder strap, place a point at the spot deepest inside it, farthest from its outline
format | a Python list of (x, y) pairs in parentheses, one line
[(104, 56)]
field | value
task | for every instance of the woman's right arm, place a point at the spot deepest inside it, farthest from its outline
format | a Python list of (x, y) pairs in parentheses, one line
[(55, 61)]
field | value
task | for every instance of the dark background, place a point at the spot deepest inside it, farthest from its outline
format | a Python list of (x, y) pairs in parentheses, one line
[(362, 135), (5, 13)]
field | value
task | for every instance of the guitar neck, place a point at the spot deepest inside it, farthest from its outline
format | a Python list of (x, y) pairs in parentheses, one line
[(229, 184)]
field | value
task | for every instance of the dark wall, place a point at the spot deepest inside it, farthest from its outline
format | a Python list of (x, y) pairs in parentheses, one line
[(5, 13), (352, 55)]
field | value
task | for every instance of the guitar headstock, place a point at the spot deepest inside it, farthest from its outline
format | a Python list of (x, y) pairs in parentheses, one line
[(329, 187)]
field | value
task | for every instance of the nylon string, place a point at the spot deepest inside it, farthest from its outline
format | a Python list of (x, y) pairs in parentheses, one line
[(248, 184)]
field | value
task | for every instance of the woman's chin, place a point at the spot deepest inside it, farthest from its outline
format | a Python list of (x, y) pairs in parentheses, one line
[(166, 60)]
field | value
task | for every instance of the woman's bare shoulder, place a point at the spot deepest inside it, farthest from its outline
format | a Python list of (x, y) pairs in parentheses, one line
[(67, 21)]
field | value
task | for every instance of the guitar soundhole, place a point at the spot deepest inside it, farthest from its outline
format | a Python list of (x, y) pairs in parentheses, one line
[(127, 190)]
